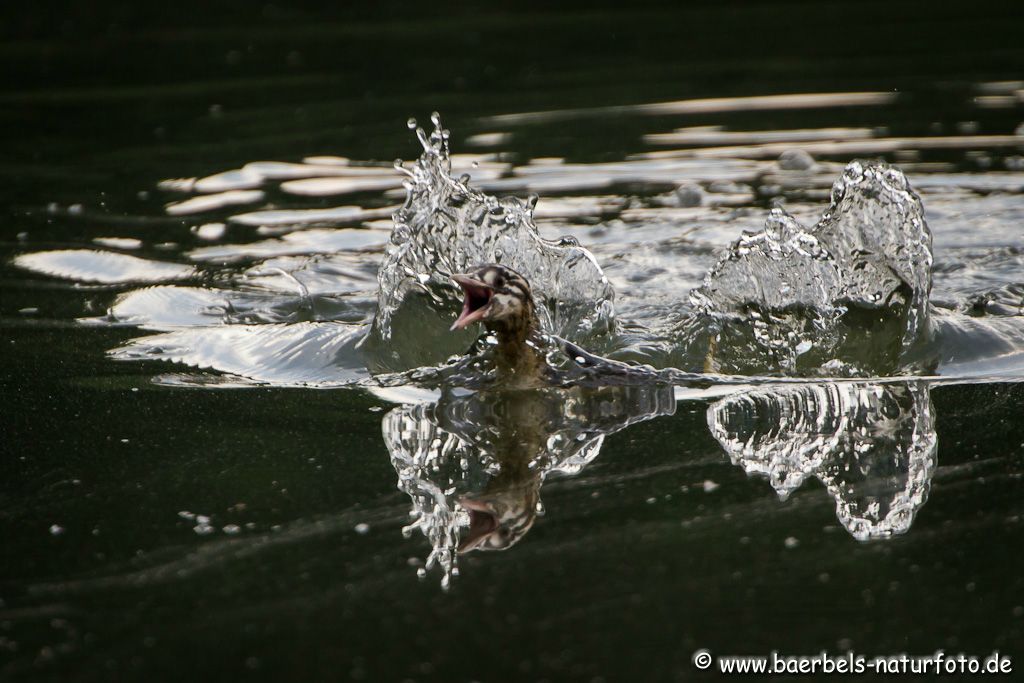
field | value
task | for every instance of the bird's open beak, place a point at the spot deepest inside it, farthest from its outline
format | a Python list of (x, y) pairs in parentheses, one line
[(474, 305), (482, 523)]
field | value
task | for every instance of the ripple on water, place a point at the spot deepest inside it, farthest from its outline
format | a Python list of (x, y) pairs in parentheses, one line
[(319, 354), (312, 241), (654, 219), (102, 267)]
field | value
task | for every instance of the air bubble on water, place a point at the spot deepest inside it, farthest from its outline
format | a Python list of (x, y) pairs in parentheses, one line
[(209, 231), (362, 528), (411, 123), (689, 195), (56, 530), (796, 160)]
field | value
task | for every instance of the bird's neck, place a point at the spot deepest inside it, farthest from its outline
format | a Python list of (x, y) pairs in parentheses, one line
[(520, 351)]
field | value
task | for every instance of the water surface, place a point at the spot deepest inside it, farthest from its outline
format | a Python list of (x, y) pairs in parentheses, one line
[(228, 205)]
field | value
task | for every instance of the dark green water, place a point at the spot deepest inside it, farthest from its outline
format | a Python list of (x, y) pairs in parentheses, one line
[(660, 546)]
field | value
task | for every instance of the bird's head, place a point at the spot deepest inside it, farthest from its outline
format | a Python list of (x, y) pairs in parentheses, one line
[(498, 297), (499, 521)]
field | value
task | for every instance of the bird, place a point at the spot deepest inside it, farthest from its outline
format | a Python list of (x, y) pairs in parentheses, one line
[(501, 299), (527, 357), (499, 520)]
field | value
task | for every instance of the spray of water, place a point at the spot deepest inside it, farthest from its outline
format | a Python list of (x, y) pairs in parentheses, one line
[(444, 227), (790, 299)]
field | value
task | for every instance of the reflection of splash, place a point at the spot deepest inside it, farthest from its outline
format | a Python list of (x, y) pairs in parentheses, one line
[(473, 465), (871, 445)]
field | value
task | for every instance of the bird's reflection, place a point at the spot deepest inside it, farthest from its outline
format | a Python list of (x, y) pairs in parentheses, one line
[(872, 445), (473, 464)]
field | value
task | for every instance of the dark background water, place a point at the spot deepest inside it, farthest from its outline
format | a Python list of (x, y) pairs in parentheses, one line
[(101, 101)]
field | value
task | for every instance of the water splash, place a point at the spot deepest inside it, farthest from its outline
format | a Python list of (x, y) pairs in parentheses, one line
[(871, 445), (445, 227), (473, 465), (846, 297), (849, 295)]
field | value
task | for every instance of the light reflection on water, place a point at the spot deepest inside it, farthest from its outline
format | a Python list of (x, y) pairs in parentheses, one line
[(283, 295), (653, 221)]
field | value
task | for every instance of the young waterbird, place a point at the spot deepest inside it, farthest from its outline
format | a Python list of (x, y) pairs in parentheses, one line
[(500, 298)]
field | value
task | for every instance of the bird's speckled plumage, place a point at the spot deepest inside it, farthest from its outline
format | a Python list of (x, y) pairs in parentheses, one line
[(501, 299)]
